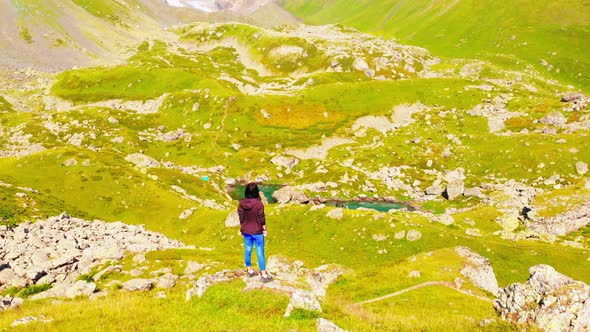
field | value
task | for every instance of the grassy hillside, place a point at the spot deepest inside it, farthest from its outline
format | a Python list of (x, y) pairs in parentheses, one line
[(522, 32), (222, 101)]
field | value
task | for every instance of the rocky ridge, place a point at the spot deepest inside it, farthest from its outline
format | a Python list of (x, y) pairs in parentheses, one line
[(548, 300), (58, 250)]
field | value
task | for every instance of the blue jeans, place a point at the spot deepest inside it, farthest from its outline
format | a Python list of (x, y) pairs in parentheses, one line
[(257, 240)]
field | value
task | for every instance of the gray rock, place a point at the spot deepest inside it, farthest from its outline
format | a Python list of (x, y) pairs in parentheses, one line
[(435, 189), (473, 192), (581, 167), (141, 160), (138, 284), (285, 161), (414, 274), (232, 220), (336, 213), (81, 288), (302, 299), (555, 118), (167, 281), (413, 235), (289, 194), (572, 96), (324, 325), (454, 189), (478, 270), (187, 213), (549, 301), (139, 259), (193, 267), (70, 162)]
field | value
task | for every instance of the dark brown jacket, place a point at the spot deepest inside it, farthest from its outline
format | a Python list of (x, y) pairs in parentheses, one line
[(251, 212)]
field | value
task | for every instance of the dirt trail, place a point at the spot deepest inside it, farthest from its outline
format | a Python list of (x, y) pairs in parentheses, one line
[(422, 285)]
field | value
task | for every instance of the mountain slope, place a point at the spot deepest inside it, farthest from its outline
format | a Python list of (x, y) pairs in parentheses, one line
[(550, 35), (56, 35)]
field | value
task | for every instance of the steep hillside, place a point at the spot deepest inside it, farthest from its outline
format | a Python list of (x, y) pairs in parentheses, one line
[(57, 35), (548, 35)]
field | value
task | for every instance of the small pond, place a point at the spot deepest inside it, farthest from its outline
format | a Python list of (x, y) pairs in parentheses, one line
[(379, 206), (237, 193)]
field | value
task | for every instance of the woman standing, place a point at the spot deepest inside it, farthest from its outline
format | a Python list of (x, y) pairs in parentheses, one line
[(253, 228)]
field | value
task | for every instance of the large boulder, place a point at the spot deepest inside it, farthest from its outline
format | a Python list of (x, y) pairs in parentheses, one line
[(232, 220), (555, 118), (289, 194), (478, 270), (572, 96), (138, 284), (548, 300), (454, 189), (288, 162), (302, 299), (81, 288), (142, 161)]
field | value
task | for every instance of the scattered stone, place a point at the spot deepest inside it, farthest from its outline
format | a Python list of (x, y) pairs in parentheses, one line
[(9, 302), (572, 96), (435, 189), (138, 284), (581, 167), (413, 235), (324, 325), (284, 161), (187, 213), (336, 213), (414, 274), (30, 319), (139, 259), (167, 281), (232, 220), (141, 160), (70, 162), (555, 118), (399, 235), (81, 288), (193, 267)]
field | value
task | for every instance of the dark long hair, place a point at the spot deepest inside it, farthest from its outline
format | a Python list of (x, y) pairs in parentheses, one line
[(252, 191)]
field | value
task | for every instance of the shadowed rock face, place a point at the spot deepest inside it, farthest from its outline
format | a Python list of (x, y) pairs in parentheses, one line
[(548, 300)]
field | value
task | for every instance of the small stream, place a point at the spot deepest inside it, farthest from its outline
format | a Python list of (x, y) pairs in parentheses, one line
[(237, 193)]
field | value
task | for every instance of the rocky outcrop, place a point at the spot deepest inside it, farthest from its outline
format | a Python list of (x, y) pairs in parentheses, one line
[(478, 270), (289, 194), (307, 287), (142, 161), (58, 250), (562, 224), (302, 299), (548, 300)]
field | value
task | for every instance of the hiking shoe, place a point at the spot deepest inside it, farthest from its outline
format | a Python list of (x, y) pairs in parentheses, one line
[(251, 274), (267, 279)]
